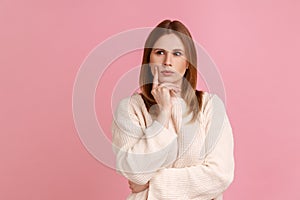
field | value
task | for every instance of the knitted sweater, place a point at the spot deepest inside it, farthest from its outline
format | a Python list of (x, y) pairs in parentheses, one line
[(192, 161)]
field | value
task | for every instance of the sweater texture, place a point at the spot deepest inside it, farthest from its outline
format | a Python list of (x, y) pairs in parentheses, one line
[(186, 161)]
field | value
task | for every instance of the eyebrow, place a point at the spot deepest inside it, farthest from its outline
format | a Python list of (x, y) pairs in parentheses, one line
[(164, 49)]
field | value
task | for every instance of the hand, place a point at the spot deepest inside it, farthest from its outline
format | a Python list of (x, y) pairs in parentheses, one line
[(163, 92), (135, 188)]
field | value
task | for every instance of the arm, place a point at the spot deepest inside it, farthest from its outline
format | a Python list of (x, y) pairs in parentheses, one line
[(214, 175), (140, 151)]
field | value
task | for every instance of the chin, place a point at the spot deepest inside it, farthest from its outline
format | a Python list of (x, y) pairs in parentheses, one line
[(168, 79)]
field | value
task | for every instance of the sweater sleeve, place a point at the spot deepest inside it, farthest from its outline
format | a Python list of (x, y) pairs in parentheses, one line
[(140, 151), (210, 178)]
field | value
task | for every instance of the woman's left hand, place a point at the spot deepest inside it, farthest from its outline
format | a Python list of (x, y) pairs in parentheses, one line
[(135, 188)]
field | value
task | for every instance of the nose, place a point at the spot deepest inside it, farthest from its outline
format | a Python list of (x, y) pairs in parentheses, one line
[(168, 59)]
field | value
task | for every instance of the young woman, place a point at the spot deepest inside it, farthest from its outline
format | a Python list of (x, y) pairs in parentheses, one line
[(172, 141)]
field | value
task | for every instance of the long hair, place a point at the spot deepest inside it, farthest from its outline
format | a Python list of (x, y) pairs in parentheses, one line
[(192, 97)]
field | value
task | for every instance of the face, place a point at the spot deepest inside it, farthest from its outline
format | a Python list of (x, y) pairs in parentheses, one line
[(168, 54)]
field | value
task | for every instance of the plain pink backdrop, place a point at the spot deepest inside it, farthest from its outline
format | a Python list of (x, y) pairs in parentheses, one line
[(255, 45)]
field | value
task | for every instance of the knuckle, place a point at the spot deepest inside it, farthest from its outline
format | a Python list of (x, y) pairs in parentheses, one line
[(164, 89)]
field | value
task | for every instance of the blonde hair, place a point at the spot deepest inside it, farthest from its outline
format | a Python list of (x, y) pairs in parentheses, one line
[(192, 97)]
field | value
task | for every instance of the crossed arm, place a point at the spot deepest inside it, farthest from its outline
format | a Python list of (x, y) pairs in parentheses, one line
[(206, 180)]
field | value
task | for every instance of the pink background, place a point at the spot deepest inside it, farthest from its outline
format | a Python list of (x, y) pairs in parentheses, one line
[(255, 45)]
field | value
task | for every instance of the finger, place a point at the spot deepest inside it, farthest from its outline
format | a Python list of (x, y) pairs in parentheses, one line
[(173, 93), (155, 78), (170, 86)]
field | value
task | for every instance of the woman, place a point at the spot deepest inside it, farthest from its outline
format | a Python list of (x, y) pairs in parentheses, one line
[(172, 141)]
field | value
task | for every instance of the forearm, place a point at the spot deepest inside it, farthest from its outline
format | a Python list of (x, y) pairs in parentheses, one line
[(205, 180), (164, 117), (138, 159)]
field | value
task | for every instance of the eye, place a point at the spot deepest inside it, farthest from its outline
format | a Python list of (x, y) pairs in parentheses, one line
[(177, 53), (159, 52)]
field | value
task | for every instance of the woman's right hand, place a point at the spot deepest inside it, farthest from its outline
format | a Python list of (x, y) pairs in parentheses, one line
[(162, 94)]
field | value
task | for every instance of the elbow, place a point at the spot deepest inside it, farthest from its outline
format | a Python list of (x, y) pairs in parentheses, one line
[(228, 171), (228, 178), (140, 179), (131, 170)]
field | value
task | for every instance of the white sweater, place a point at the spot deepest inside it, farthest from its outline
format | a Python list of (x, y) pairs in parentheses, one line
[(186, 161)]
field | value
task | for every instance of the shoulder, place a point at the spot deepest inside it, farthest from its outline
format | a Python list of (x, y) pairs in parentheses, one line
[(214, 108), (206, 98), (128, 108), (131, 103), (211, 101), (209, 96)]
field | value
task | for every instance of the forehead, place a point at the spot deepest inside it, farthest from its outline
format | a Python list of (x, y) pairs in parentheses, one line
[(169, 42)]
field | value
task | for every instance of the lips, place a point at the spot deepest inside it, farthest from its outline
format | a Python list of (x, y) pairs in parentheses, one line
[(167, 72)]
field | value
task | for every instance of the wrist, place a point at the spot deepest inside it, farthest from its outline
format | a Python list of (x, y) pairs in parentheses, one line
[(166, 109), (164, 117)]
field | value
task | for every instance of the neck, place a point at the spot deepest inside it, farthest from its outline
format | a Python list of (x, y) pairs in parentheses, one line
[(179, 84)]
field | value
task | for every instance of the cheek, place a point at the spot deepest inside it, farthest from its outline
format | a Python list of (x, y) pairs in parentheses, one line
[(154, 60), (181, 68), (151, 64), (152, 69)]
